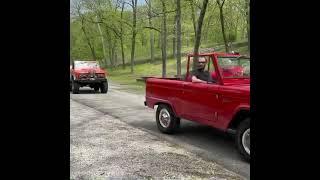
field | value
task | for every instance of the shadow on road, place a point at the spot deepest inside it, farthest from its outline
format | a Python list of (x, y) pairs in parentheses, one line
[(88, 91)]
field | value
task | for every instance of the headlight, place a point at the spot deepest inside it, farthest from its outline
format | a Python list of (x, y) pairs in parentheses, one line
[(83, 75), (101, 75)]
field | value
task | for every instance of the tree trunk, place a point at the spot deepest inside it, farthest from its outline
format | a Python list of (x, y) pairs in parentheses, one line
[(198, 32), (114, 54), (174, 41), (151, 33), (187, 40), (174, 38), (110, 56), (142, 39), (193, 16), (178, 38), (206, 30), (222, 24), (164, 40), (121, 38), (133, 42), (88, 41), (159, 40), (102, 40), (248, 23), (109, 48)]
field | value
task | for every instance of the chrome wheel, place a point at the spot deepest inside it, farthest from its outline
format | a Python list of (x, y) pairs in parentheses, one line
[(164, 118), (246, 141)]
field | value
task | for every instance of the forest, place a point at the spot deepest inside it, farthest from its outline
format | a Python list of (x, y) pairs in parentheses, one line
[(123, 34)]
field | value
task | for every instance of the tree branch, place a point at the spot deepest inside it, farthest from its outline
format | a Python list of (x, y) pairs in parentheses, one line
[(128, 4), (153, 28)]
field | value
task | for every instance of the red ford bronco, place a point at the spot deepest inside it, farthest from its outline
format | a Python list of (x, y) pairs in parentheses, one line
[(223, 103), (87, 73)]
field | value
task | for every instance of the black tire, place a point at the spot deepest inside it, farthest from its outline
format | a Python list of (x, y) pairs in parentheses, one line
[(96, 88), (70, 83), (75, 88), (104, 87), (174, 122), (242, 128)]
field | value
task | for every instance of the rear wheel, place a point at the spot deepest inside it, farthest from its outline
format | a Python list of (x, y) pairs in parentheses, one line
[(166, 120), (243, 139)]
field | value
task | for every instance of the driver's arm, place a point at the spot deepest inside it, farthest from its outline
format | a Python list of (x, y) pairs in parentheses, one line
[(196, 80)]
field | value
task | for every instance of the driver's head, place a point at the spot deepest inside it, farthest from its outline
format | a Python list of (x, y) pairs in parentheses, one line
[(202, 63)]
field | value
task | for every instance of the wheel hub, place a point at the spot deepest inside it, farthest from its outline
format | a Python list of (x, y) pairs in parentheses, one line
[(246, 141), (164, 118)]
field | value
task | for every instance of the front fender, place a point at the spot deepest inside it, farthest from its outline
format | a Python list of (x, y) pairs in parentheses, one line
[(239, 108)]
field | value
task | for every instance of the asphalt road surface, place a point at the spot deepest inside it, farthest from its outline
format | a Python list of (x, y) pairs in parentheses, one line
[(205, 142)]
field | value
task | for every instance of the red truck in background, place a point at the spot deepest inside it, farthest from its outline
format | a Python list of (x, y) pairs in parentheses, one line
[(87, 73), (223, 103)]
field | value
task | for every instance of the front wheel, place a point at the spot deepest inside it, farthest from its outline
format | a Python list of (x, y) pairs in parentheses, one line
[(104, 87), (243, 139), (166, 120), (96, 88), (75, 88)]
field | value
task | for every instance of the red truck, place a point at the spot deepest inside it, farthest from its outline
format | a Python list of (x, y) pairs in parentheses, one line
[(87, 73), (222, 103)]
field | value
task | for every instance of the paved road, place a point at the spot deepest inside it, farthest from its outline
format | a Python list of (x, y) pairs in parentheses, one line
[(195, 138)]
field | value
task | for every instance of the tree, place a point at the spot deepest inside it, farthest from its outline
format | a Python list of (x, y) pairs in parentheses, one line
[(151, 32), (178, 35), (106, 29), (220, 5), (198, 32), (102, 41), (193, 16), (164, 39), (78, 8), (134, 32), (248, 22), (174, 38), (122, 35)]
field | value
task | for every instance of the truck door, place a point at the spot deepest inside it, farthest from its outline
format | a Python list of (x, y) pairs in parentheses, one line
[(200, 101)]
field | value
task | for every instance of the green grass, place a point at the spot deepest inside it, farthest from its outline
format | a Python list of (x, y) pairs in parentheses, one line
[(124, 76)]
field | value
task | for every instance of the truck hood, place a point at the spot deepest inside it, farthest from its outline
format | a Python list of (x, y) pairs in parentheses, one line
[(245, 87), (237, 82), (237, 85)]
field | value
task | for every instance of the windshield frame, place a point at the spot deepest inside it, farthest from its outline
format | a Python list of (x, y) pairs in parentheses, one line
[(89, 64), (231, 56)]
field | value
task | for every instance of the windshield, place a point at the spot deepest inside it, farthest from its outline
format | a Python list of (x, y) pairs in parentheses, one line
[(235, 67), (86, 64)]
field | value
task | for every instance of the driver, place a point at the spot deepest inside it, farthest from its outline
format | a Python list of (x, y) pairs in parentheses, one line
[(200, 75)]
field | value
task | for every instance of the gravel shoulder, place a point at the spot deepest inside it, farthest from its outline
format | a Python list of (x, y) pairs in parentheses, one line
[(103, 147)]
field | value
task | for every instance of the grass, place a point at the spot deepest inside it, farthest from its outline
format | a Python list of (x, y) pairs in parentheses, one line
[(124, 76)]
